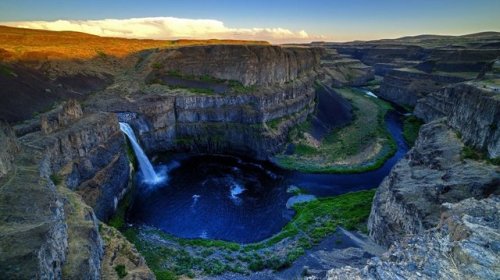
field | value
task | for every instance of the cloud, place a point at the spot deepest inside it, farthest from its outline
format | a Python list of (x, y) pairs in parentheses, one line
[(169, 28)]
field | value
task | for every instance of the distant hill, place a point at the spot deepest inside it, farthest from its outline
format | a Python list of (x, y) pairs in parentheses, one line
[(32, 44), (476, 40)]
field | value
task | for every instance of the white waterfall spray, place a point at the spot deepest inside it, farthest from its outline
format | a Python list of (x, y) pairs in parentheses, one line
[(145, 165)]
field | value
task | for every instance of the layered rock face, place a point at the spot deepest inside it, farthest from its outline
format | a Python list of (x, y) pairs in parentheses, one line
[(469, 108), (406, 86), (33, 233), (440, 67), (413, 67), (248, 64), (382, 57), (463, 246), (345, 71), (217, 124), (432, 173), (164, 118), (49, 231), (88, 152), (10, 148)]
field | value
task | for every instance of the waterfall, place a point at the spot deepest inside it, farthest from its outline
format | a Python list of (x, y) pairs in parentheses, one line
[(145, 165)]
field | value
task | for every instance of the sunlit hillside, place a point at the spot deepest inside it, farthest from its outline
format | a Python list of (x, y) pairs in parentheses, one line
[(31, 44)]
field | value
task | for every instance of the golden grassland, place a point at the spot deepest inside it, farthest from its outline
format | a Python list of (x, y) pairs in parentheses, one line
[(31, 44)]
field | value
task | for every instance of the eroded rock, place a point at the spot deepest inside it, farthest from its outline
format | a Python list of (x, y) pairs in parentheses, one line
[(432, 173), (463, 246)]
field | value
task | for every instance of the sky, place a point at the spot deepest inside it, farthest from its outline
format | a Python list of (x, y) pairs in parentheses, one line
[(274, 21)]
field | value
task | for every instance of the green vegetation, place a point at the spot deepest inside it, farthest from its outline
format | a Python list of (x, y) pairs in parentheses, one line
[(237, 87), (120, 271), (411, 128), (274, 124), (6, 71), (131, 154), (118, 219), (234, 86), (194, 90), (363, 145), (101, 54), (157, 65), (56, 179), (474, 154), (170, 257)]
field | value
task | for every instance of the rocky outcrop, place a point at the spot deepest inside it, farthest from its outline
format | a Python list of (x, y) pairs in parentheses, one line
[(33, 233), (249, 64), (85, 246), (432, 173), (469, 108), (47, 228), (10, 148), (463, 246), (70, 112), (406, 86), (345, 71), (88, 154), (119, 252)]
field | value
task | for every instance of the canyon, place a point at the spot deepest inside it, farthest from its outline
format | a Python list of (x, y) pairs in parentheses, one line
[(66, 169)]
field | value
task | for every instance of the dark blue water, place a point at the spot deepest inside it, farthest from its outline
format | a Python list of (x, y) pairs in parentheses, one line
[(236, 199)]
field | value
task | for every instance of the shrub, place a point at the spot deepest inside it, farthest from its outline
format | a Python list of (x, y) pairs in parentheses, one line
[(121, 271), (56, 179)]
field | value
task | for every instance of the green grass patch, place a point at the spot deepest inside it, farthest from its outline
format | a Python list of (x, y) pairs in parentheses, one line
[(118, 219), (312, 222), (233, 85), (363, 145), (56, 179), (193, 90), (411, 127), (238, 87), (469, 152), (121, 271), (305, 150)]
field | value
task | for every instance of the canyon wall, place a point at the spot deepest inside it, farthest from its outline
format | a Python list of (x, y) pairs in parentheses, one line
[(413, 67), (406, 86), (48, 230), (471, 109), (248, 64), (344, 70), (409, 199), (10, 148), (281, 93), (236, 124), (87, 152)]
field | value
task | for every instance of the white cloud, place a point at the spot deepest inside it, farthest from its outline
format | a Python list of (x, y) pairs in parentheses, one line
[(168, 28)]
